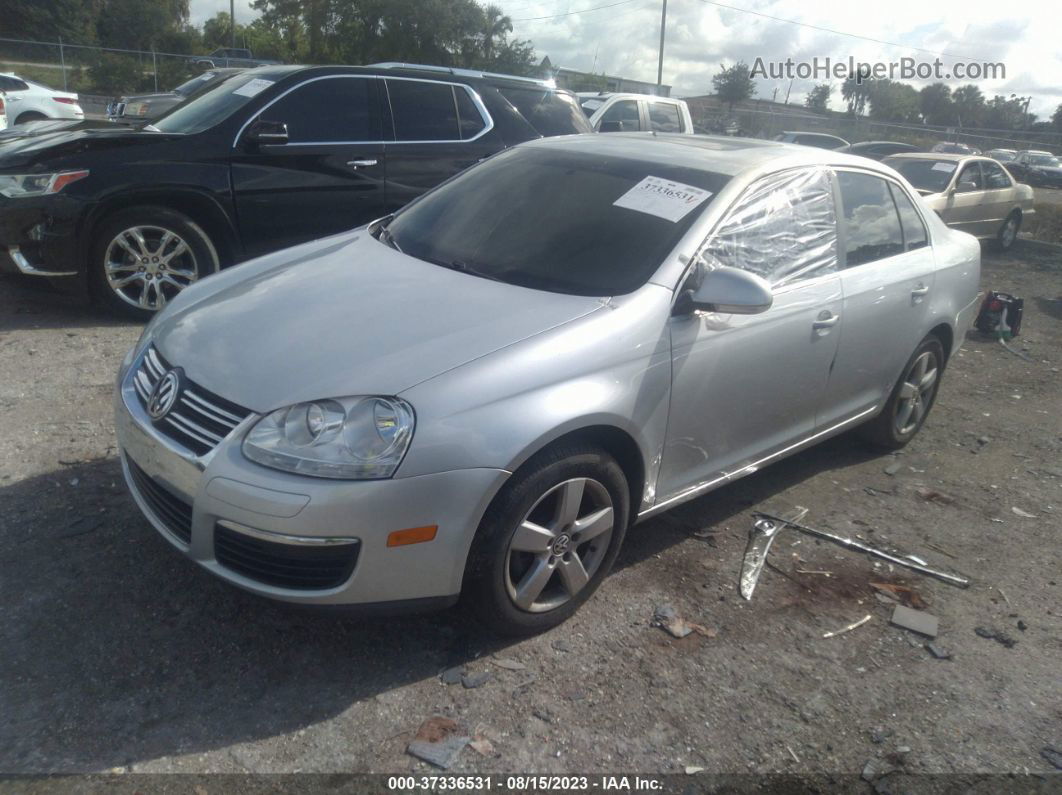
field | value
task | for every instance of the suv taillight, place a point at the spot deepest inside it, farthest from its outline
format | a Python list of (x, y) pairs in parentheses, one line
[(65, 100)]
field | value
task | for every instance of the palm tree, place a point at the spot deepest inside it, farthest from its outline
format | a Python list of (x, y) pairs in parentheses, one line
[(496, 25)]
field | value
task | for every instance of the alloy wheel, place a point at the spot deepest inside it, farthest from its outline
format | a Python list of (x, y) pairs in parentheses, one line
[(916, 393), (559, 545), (146, 266)]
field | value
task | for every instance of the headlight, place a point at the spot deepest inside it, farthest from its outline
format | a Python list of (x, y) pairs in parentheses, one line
[(355, 438), (17, 186)]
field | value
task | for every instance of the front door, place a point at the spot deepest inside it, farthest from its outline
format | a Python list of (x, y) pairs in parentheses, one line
[(328, 177), (888, 282), (438, 130), (747, 386), (963, 208)]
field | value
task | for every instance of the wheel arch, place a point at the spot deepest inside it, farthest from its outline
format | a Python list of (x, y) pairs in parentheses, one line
[(204, 210), (946, 335), (618, 442)]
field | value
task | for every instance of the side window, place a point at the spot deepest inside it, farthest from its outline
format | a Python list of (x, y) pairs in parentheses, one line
[(872, 225), (423, 111), (995, 176), (914, 230), (783, 228), (664, 117), (626, 113), (13, 84), (333, 109), (972, 173), (469, 119)]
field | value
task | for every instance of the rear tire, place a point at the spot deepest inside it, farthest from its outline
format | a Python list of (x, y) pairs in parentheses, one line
[(911, 399), (1008, 233), (30, 115), (143, 257), (548, 540)]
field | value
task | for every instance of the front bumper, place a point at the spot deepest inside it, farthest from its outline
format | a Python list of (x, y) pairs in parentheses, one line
[(226, 494), (38, 235)]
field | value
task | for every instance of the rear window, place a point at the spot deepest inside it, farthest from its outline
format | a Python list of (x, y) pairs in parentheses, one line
[(549, 112), (554, 220)]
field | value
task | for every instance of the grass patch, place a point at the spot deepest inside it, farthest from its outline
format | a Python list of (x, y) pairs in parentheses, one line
[(1045, 224)]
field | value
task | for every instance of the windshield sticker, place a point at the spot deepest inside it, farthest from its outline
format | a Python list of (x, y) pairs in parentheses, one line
[(253, 88), (949, 167), (592, 104), (662, 198)]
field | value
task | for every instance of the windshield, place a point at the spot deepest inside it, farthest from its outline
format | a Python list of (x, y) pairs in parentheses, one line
[(1043, 160), (549, 112), (557, 220), (930, 175), (214, 106), (195, 83)]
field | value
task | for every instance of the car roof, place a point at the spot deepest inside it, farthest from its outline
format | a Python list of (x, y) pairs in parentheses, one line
[(720, 154), (610, 94), (881, 143), (952, 156), (810, 132)]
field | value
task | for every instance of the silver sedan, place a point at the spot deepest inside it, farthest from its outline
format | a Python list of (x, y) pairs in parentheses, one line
[(483, 392)]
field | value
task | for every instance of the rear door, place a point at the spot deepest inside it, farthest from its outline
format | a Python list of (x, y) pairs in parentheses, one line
[(887, 282), (329, 177), (664, 117), (744, 387), (434, 130)]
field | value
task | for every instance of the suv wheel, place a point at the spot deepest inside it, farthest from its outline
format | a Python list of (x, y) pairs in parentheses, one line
[(911, 398), (30, 115), (142, 258), (548, 539)]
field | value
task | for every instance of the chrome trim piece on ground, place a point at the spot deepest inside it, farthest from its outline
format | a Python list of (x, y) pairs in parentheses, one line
[(693, 491), (27, 267)]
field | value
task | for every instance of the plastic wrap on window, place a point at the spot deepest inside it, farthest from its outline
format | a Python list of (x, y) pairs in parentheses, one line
[(783, 228)]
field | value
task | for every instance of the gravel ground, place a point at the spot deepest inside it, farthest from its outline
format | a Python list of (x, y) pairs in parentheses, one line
[(120, 654)]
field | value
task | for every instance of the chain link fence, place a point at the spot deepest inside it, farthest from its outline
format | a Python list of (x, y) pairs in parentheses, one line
[(767, 119), (97, 73)]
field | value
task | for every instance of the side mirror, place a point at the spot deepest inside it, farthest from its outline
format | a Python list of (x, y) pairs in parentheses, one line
[(728, 290), (266, 133), (610, 126), (966, 186)]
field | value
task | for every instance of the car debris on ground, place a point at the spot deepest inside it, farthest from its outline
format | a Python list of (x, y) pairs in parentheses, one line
[(848, 628), (439, 741), (667, 618), (915, 620), (997, 635)]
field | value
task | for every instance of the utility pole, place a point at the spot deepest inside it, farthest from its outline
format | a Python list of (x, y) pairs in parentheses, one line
[(232, 21), (660, 64)]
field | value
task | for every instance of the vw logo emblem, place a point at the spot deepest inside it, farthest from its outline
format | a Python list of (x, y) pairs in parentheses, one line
[(561, 544), (164, 395)]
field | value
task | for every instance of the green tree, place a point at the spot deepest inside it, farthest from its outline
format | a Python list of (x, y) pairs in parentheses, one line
[(818, 99), (1005, 113), (734, 84), (1056, 119), (969, 105), (49, 20), (937, 105), (855, 91), (893, 101)]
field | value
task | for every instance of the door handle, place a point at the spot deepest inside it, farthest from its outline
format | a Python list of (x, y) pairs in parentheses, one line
[(825, 321), (921, 289), (360, 163)]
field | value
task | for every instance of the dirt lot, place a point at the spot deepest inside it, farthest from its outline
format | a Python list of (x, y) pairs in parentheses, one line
[(120, 654)]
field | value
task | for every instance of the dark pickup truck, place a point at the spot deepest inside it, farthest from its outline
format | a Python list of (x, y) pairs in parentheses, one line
[(226, 57)]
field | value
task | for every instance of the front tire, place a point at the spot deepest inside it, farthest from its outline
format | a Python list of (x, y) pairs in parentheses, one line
[(911, 399), (548, 540), (143, 257)]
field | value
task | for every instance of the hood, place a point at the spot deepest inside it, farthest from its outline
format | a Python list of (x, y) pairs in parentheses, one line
[(345, 316), (46, 141)]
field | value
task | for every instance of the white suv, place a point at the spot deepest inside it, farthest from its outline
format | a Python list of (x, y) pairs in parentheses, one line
[(634, 112), (29, 101)]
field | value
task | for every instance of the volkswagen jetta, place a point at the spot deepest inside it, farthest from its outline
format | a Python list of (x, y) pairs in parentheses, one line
[(480, 393)]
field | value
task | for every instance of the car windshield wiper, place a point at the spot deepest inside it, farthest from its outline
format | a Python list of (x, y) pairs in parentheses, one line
[(463, 267), (383, 234)]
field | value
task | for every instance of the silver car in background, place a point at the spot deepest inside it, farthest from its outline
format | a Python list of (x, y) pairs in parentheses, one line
[(481, 393)]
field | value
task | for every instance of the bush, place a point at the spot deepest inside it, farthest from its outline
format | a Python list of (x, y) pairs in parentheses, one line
[(119, 74)]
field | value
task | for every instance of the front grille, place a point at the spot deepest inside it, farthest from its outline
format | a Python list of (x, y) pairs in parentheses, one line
[(295, 566), (168, 508), (200, 419)]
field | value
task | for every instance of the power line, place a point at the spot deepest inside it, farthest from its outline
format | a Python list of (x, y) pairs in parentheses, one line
[(572, 13), (841, 32)]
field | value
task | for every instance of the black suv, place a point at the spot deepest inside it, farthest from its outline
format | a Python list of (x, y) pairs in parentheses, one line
[(271, 157)]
